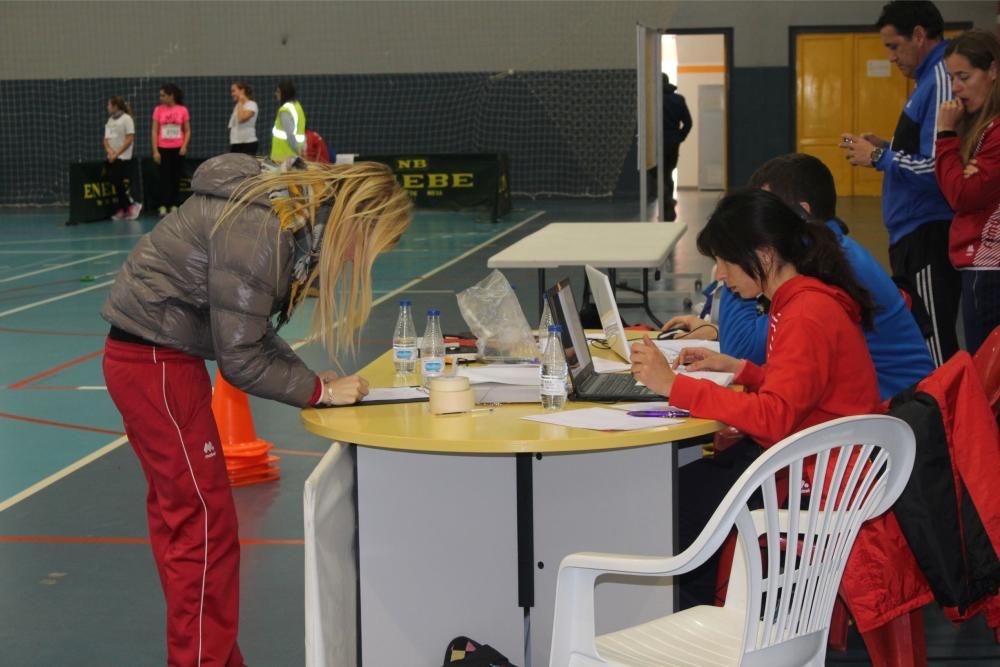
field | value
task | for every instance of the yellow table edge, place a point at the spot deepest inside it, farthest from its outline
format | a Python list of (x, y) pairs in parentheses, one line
[(411, 427)]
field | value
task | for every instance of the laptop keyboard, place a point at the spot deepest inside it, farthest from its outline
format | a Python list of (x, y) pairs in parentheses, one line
[(614, 384)]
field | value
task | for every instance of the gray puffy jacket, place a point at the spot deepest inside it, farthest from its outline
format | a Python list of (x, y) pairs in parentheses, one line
[(213, 295)]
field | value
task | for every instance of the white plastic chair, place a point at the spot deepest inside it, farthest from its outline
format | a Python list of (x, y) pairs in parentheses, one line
[(782, 618)]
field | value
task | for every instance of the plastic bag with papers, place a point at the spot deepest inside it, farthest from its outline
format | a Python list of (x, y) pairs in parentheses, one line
[(492, 312)]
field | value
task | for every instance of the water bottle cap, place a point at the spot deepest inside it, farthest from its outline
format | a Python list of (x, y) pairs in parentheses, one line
[(405, 302), (433, 312), (555, 328)]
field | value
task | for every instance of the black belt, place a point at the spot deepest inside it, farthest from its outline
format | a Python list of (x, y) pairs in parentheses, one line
[(123, 336)]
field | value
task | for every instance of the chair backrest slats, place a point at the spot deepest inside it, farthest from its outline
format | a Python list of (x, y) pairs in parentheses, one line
[(854, 468)]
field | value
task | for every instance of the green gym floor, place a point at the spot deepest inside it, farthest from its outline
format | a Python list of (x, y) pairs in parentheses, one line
[(78, 583)]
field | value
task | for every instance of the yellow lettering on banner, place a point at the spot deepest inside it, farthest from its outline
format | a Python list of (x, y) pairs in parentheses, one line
[(437, 180), (434, 193), (462, 180), (413, 181), (411, 164)]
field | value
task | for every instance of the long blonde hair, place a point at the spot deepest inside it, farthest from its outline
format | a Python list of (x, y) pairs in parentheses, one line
[(369, 213), (982, 49)]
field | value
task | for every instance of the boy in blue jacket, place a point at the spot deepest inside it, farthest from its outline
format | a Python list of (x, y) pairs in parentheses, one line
[(896, 346), (913, 208)]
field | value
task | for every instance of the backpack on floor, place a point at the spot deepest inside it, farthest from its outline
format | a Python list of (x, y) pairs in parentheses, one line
[(463, 652)]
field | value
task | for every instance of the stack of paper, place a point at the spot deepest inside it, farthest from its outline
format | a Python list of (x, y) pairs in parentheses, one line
[(519, 374)]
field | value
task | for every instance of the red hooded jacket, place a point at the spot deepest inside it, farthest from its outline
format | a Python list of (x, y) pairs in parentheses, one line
[(818, 369), (974, 238)]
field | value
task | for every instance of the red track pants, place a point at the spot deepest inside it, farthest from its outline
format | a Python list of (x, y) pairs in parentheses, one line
[(165, 398)]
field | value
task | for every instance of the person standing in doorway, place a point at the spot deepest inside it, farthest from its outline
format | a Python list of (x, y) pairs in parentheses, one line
[(119, 142), (288, 136), (243, 121), (171, 136), (913, 208), (968, 170), (676, 127)]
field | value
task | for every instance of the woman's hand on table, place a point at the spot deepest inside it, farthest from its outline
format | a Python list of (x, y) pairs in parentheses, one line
[(703, 359), (342, 390), (650, 367)]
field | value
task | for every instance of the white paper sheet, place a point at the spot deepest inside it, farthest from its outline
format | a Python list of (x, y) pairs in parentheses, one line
[(718, 377), (601, 419), (394, 394), (672, 348)]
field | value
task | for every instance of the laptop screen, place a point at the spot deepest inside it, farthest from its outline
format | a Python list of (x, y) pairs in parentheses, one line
[(574, 339)]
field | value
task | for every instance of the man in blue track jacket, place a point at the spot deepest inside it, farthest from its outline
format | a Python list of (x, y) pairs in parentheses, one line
[(913, 208)]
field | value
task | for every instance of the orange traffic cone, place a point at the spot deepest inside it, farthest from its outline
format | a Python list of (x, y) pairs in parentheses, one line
[(247, 457)]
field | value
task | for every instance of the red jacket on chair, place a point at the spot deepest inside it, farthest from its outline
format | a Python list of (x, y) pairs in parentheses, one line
[(955, 538)]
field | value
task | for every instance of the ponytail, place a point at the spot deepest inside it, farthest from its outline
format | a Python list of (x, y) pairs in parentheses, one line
[(824, 260), (120, 104), (749, 220)]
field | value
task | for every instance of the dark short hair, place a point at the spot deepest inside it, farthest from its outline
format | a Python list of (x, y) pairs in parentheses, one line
[(286, 91), (174, 91), (797, 177), (905, 15)]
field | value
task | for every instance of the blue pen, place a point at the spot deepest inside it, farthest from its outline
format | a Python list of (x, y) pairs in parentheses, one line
[(658, 413)]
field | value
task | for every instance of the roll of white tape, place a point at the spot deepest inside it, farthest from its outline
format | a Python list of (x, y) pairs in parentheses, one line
[(450, 394)]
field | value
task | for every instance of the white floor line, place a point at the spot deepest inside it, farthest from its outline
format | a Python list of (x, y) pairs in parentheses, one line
[(115, 444), (68, 470), (73, 239), (58, 252), (425, 276), (62, 266), (28, 306)]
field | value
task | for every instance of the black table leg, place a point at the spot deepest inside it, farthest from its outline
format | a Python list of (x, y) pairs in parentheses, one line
[(541, 291), (525, 533)]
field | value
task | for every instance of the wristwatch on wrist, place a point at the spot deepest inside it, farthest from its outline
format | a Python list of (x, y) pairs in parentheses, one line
[(876, 154)]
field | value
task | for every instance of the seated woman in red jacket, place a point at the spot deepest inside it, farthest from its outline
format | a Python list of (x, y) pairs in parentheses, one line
[(968, 170), (817, 369)]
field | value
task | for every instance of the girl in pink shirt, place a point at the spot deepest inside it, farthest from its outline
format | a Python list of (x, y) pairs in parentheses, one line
[(171, 135)]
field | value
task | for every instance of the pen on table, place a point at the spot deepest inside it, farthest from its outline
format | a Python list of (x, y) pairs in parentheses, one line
[(658, 413)]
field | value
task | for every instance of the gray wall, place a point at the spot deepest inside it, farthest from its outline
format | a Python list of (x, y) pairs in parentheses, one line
[(57, 40)]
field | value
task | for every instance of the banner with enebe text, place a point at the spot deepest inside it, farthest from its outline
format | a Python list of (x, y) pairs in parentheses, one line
[(453, 181)]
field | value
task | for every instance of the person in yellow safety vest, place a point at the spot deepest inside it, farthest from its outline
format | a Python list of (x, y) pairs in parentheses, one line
[(288, 136)]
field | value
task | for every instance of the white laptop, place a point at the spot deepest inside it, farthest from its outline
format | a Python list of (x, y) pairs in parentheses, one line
[(607, 308)]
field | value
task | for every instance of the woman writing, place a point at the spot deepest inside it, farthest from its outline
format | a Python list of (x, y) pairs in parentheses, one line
[(171, 136), (205, 284), (243, 121), (818, 367), (968, 170)]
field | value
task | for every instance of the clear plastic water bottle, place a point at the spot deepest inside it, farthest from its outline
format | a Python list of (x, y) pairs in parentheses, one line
[(543, 324), (554, 371), (404, 341), (432, 347)]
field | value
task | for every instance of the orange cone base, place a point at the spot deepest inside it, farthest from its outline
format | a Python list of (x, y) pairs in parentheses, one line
[(271, 475)]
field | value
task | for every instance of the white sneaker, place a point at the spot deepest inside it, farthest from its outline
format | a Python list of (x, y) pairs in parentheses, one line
[(133, 211), (119, 214)]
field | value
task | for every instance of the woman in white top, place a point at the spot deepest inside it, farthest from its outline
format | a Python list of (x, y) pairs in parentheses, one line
[(243, 122), (119, 139)]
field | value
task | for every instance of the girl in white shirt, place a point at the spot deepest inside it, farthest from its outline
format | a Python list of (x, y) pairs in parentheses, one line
[(119, 140), (243, 121)]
